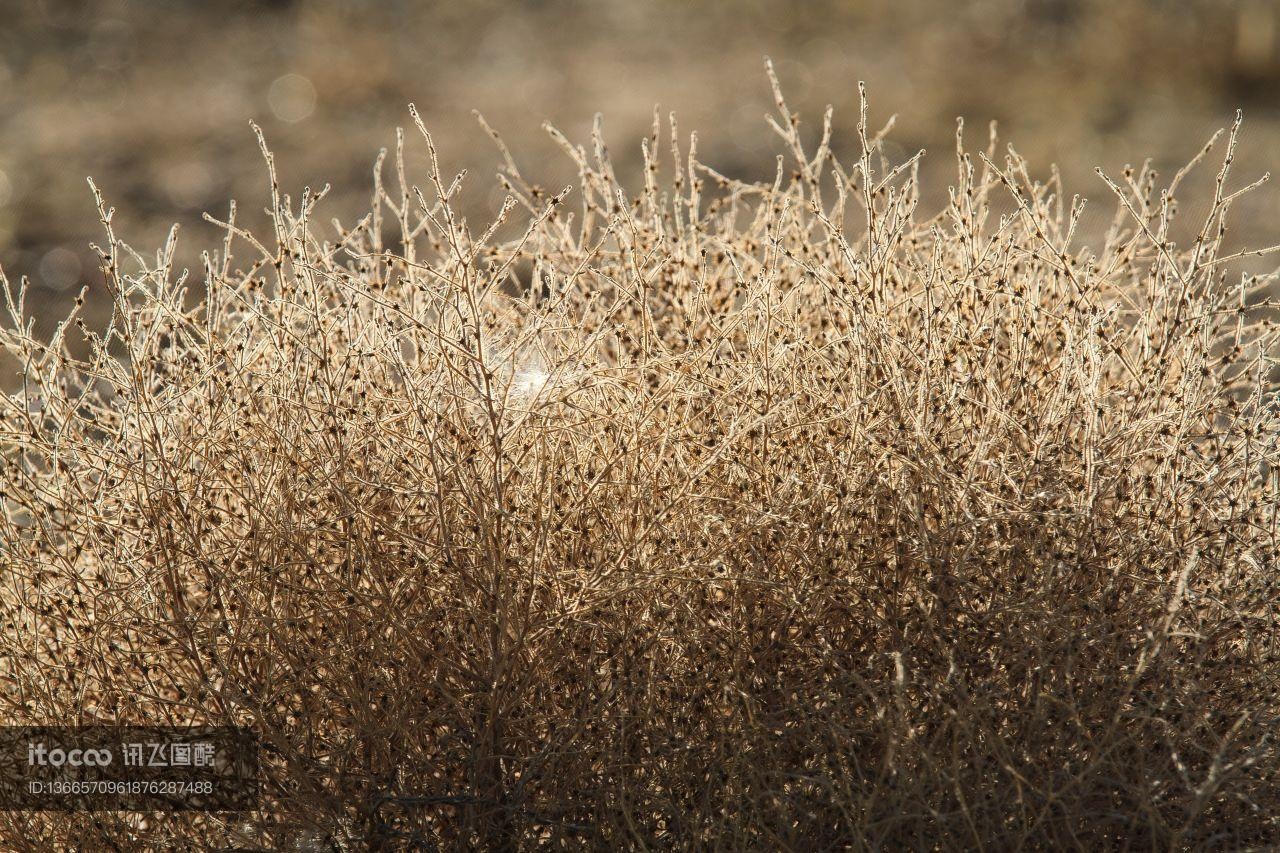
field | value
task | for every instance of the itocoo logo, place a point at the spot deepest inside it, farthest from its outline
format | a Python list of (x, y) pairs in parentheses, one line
[(38, 753)]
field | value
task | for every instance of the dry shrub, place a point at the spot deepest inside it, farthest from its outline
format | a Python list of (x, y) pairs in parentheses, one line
[(719, 515)]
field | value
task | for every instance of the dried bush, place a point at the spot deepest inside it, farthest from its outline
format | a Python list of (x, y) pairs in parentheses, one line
[(721, 515)]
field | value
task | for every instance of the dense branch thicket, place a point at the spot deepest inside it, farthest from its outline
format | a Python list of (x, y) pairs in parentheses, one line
[(728, 515)]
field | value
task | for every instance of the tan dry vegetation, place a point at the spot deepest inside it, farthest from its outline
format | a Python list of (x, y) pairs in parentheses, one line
[(716, 515)]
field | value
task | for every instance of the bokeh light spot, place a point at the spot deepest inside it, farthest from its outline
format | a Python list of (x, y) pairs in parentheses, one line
[(60, 269), (292, 97)]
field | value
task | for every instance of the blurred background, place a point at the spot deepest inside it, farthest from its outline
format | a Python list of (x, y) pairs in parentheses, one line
[(154, 98)]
